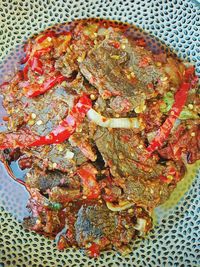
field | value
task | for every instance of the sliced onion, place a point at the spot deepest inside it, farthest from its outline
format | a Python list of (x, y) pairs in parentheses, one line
[(123, 205), (141, 225), (102, 121)]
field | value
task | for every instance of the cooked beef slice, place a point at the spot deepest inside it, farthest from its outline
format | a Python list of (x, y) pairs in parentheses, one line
[(124, 70), (43, 180), (122, 150), (96, 222), (146, 193), (62, 157), (41, 113), (46, 111)]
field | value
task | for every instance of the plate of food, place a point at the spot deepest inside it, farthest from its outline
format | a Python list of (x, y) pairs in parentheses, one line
[(99, 135)]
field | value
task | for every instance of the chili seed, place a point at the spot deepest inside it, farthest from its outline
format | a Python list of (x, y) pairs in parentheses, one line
[(39, 122), (33, 116)]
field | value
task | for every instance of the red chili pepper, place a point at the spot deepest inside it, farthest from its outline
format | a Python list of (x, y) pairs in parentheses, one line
[(68, 125), (115, 44), (189, 72), (25, 138), (62, 243), (25, 71), (36, 65), (43, 51), (87, 174), (36, 89), (45, 36), (94, 250), (27, 51), (141, 42), (165, 129), (189, 79)]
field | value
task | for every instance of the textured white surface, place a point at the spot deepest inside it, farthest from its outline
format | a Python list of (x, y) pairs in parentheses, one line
[(174, 241)]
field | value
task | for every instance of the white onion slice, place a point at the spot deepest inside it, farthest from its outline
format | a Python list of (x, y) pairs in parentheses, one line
[(102, 121), (141, 225), (123, 205)]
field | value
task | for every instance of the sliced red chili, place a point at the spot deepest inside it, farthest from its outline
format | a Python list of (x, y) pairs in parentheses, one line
[(25, 138), (43, 51), (179, 102), (36, 65), (35, 89), (141, 42), (87, 174), (94, 250)]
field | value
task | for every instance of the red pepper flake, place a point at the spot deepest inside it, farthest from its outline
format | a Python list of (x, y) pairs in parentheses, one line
[(36, 65), (106, 94), (150, 85), (69, 234), (87, 174), (5, 118), (115, 44), (94, 250), (62, 243), (141, 42), (165, 179), (144, 62)]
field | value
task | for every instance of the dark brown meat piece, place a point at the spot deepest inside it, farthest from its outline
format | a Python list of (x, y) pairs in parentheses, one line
[(119, 68), (62, 157), (93, 222), (146, 193), (123, 151), (42, 113), (44, 180), (96, 223)]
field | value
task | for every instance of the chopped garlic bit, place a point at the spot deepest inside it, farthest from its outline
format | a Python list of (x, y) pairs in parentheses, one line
[(124, 41), (54, 165), (40, 122), (60, 148), (93, 97), (69, 155), (140, 108), (190, 106), (82, 57), (31, 122), (33, 116), (163, 79), (193, 134), (115, 56)]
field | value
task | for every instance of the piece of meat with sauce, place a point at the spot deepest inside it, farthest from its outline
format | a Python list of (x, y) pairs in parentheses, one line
[(62, 156), (44, 180), (42, 113), (118, 67), (98, 225), (146, 193), (123, 151)]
